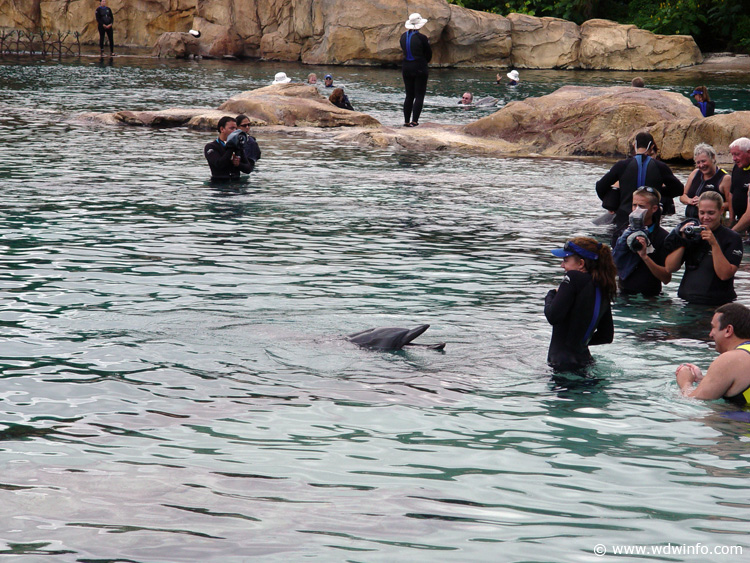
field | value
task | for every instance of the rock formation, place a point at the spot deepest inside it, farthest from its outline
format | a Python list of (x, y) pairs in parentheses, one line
[(289, 105), (580, 120), (176, 45), (572, 121), (360, 32)]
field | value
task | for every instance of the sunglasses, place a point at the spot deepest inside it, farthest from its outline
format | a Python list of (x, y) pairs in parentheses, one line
[(245, 125), (570, 246)]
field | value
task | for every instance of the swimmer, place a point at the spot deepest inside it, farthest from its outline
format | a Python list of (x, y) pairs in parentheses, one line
[(224, 162), (328, 81), (512, 75), (728, 376), (579, 310), (312, 78), (467, 99), (740, 183)]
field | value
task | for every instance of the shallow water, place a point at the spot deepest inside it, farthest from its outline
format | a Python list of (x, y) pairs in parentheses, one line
[(176, 387)]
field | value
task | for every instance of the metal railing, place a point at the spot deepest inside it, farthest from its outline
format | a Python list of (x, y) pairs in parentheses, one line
[(45, 43)]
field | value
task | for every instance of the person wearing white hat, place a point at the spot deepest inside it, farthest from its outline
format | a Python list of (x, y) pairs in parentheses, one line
[(417, 53), (281, 78), (514, 78)]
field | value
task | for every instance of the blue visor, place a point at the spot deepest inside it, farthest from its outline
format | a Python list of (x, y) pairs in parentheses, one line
[(572, 248), (696, 92)]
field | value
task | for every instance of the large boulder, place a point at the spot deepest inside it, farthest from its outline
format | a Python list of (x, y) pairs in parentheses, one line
[(471, 38), (606, 44), (544, 42), (176, 45), (677, 139), (294, 105), (579, 120)]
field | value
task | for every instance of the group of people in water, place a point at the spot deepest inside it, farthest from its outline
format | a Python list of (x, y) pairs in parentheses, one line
[(642, 256), (637, 192)]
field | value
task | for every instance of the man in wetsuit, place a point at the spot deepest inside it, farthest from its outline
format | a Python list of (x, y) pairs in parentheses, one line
[(225, 163), (632, 173), (647, 274), (740, 151), (104, 21), (728, 376)]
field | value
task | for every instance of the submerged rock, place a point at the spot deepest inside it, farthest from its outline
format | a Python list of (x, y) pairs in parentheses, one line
[(295, 105)]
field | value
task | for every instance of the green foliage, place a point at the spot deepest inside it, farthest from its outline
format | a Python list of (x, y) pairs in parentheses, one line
[(670, 17)]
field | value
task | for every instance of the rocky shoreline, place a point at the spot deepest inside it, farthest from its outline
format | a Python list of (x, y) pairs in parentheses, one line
[(572, 122)]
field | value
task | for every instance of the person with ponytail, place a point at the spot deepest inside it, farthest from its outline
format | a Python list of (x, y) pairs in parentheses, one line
[(579, 310)]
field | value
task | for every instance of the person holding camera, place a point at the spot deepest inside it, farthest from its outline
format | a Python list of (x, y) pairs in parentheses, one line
[(640, 253), (711, 253), (639, 170), (579, 310), (251, 148), (226, 155)]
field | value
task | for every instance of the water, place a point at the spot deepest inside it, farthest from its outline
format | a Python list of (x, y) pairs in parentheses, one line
[(176, 388)]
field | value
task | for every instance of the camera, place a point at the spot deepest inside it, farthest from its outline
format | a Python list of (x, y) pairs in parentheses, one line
[(637, 229), (236, 141), (693, 232)]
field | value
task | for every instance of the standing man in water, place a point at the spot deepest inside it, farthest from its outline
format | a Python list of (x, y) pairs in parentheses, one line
[(104, 20), (226, 163), (635, 172), (417, 53), (728, 376), (740, 151)]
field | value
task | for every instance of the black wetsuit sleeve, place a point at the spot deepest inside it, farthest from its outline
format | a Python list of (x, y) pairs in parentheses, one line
[(557, 304), (219, 162), (733, 251), (426, 49), (246, 165), (99, 16), (710, 108), (672, 186), (605, 184), (605, 330)]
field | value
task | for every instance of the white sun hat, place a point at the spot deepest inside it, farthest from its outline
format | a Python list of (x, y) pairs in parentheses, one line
[(415, 21), (513, 75), (281, 78)]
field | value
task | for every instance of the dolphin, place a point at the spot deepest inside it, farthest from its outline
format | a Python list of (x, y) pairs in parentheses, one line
[(391, 338)]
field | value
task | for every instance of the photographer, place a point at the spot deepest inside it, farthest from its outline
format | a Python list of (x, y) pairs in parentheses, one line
[(227, 158), (640, 253), (711, 253)]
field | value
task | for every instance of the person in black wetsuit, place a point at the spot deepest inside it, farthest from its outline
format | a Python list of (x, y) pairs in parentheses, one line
[(703, 100), (706, 177), (104, 21), (641, 270), (728, 376), (251, 148), (579, 310), (340, 100), (740, 182), (417, 53), (711, 257), (224, 162), (632, 173)]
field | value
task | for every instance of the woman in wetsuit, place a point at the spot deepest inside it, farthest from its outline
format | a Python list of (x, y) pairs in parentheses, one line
[(706, 177), (417, 53), (579, 310), (705, 104), (711, 254)]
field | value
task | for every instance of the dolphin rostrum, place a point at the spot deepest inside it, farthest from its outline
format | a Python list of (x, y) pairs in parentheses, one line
[(391, 338)]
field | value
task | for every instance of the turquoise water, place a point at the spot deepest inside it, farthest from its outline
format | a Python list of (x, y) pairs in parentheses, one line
[(174, 382)]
